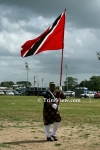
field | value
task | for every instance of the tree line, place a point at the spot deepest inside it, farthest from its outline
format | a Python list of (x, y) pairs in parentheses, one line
[(93, 84), (9, 84), (71, 83)]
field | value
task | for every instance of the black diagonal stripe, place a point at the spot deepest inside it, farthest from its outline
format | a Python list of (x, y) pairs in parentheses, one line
[(37, 44)]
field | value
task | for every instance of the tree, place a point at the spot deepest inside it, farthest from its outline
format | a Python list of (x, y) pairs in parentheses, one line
[(95, 81), (7, 84), (84, 83), (24, 83), (93, 84), (72, 83)]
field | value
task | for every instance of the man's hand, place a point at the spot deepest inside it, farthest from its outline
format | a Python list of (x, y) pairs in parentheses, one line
[(61, 92), (56, 100), (54, 106)]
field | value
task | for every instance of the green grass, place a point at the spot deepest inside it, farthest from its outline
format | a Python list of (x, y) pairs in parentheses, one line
[(83, 112), (25, 108), (20, 108), (57, 144), (5, 145)]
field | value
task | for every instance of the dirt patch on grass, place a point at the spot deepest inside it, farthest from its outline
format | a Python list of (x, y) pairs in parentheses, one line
[(30, 136)]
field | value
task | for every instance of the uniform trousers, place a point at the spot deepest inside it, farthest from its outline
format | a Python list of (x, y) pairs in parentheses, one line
[(54, 130)]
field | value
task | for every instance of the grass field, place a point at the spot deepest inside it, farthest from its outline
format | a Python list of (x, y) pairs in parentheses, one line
[(80, 120), (29, 107)]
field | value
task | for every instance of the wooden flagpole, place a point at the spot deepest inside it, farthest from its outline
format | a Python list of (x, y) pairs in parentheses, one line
[(60, 87), (61, 71)]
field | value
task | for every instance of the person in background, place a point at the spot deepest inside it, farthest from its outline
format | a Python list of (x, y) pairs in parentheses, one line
[(38, 93), (51, 114)]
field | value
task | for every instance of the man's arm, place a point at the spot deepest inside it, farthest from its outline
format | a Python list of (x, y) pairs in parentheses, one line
[(61, 95), (49, 101)]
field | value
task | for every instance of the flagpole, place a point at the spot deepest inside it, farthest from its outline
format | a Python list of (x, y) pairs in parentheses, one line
[(60, 87), (61, 70)]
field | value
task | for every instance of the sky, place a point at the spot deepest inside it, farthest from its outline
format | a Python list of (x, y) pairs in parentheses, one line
[(23, 20)]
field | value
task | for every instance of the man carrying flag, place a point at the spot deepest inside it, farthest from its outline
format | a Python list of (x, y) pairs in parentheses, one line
[(51, 39), (51, 114)]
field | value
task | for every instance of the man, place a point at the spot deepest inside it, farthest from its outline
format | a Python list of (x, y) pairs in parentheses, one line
[(51, 114), (38, 93)]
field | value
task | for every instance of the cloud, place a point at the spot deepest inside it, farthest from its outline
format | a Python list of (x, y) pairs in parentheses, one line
[(20, 22)]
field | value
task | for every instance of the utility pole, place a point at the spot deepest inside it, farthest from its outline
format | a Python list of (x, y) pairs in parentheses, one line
[(42, 82), (34, 81), (84, 83), (37, 81), (66, 77), (27, 68)]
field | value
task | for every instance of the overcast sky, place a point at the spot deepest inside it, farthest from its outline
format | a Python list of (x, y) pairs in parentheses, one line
[(23, 20)]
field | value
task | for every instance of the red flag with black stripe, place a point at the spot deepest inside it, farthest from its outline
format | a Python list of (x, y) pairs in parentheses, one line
[(51, 39)]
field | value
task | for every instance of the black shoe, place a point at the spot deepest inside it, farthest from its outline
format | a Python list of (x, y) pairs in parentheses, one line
[(49, 139), (54, 137)]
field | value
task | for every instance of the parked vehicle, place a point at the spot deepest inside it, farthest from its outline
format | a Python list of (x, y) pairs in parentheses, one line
[(87, 95), (9, 93), (90, 94), (69, 93), (82, 95), (1, 92), (16, 93), (43, 93), (97, 95), (64, 93)]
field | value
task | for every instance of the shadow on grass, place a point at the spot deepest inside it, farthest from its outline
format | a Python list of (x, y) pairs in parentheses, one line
[(25, 142)]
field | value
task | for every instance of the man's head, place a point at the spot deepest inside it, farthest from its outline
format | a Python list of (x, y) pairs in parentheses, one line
[(52, 86)]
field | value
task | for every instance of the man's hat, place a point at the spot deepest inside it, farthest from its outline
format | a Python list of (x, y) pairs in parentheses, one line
[(52, 83)]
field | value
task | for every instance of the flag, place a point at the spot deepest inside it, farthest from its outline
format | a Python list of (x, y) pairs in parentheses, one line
[(51, 39)]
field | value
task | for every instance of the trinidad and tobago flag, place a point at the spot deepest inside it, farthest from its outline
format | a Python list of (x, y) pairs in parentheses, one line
[(51, 39)]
